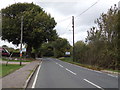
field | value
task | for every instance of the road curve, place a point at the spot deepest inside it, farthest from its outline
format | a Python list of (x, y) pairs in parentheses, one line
[(54, 73)]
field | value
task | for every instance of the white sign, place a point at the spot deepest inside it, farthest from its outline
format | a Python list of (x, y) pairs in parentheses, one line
[(67, 53), (23, 49)]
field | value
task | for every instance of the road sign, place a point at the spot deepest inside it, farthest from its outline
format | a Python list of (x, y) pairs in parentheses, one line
[(23, 49), (67, 53)]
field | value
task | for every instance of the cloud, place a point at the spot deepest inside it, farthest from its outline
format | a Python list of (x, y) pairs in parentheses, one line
[(63, 11)]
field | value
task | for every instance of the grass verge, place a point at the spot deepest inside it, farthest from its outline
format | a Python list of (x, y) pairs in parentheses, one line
[(3, 59), (113, 70), (5, 70), (69, 60)]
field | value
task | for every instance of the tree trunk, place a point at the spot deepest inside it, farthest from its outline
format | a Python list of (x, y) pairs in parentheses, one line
[(36, 55), (28, 50)]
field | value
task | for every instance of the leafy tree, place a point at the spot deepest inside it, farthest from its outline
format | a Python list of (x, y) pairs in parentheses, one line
[(10, 49), (4, 46), (102, 47), (118, 41), (55, 48), (80, 51), (61, 46), (104, 40), (47, 49), (38, 25)]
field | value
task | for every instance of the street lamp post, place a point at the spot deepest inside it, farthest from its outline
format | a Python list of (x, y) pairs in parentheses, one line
[(73, 39), (21, 40)]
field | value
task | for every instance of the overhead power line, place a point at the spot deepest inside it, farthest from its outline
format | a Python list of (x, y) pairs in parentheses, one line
[(80, 13), (64, 19), (88, 8)]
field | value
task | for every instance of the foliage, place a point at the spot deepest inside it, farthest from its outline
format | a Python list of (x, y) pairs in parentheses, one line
[(80, 51), (47, 49), (61, 46), (55, 48), (10, 49), (38, 26), (102, 45), (8, 69)]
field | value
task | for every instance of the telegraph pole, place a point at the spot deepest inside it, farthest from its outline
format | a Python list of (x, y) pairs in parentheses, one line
[(73, 38), (21, 40)]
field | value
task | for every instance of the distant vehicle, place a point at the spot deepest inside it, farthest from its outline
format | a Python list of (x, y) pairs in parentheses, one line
[(4, 52)]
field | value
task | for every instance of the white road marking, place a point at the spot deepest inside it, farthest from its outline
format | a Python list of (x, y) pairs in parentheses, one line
[(112, 75), (86, 68), (56, 63), (93, 84), (97, 71), (70, 71), (33, 86), (60, 65)]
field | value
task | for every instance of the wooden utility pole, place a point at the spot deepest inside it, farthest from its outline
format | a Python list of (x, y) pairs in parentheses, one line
[(21, 40), (73, 38)]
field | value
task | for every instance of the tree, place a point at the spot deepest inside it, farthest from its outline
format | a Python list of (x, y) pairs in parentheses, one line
[(55, 48), (46, 49), (38, 25), (60, 46), (103, 41), (102, 47), (4, 46), (80, 51)]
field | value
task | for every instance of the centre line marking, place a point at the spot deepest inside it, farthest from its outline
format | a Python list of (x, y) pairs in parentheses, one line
[(93, 84), (70, 71), (33, 86), (60, 65)]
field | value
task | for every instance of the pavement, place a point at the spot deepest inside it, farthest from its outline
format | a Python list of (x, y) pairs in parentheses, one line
[(54, 73), (18, 78)]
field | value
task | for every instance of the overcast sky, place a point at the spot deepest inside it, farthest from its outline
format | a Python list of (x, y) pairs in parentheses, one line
[(63, 10)]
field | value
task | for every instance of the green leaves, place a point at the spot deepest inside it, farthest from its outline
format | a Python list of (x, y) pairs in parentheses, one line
[(37, 24), (102, 48), (56, 48), (61, 46)]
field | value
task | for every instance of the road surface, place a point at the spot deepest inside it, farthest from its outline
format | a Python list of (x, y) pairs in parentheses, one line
[(54, 73)]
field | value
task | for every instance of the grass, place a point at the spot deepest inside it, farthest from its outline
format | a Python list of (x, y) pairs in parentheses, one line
[(5, 70), (69, 60), (113, 70), (3, 59), (66, 59)]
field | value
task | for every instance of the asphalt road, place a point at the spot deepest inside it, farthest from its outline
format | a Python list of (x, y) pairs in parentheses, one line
[(54, 73)]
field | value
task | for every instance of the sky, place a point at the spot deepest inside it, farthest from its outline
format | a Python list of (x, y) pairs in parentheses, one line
[(63, 10)]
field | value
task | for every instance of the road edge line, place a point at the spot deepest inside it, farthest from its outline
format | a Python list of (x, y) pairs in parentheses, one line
[(29, 78), (112, 75), (33, 86)]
